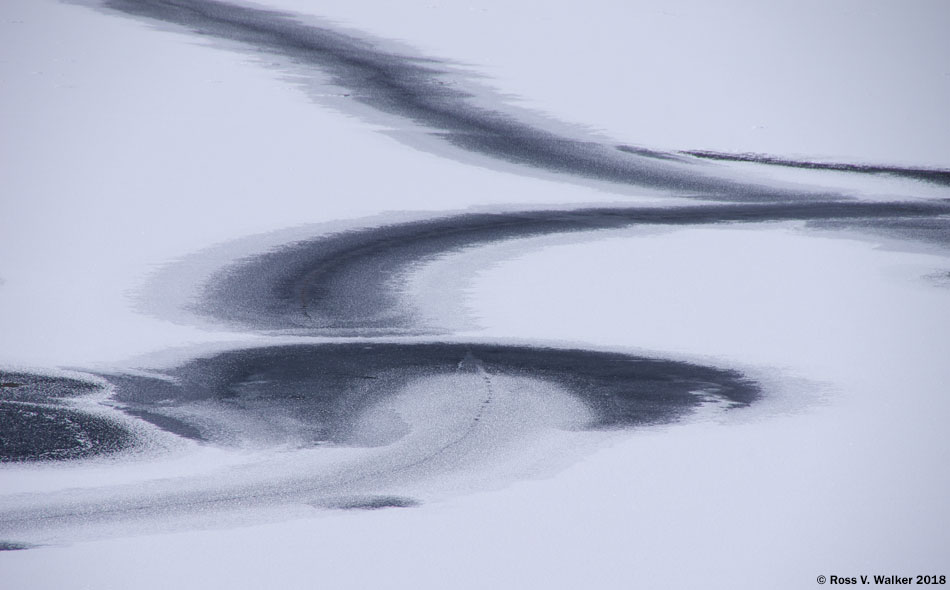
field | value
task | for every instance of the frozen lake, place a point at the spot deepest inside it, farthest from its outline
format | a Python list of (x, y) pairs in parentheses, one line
[(444, 295)]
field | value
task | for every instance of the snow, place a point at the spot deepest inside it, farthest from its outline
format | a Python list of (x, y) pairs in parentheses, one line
[(127, 148)]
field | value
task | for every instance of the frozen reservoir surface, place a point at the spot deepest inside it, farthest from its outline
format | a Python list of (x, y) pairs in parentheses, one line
[(467, 295)]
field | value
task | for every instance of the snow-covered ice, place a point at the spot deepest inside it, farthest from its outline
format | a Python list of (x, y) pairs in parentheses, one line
[(139, 159)]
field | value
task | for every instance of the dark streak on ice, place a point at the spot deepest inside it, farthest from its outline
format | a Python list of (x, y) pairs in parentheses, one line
[(420, 90), (341, 284), (932, 175), (166, 423), (367, 503)]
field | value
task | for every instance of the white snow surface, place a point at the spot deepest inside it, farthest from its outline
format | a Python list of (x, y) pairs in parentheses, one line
[(126, 148)]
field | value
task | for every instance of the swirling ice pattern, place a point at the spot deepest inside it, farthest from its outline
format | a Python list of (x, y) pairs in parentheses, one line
[(417, 409)]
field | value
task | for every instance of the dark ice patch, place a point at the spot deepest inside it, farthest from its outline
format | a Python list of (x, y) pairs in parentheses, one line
[(37, 425), (313, 393), (35, 432), (28, 387)]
